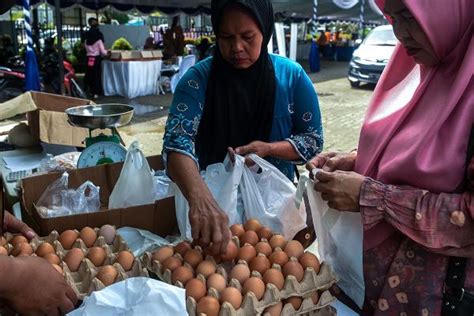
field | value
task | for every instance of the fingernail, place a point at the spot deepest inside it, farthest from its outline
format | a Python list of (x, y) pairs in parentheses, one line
[(30, 234), (237, 151), (326, 168)]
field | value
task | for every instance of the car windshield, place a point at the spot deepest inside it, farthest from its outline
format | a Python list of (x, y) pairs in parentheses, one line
[(381, 38)]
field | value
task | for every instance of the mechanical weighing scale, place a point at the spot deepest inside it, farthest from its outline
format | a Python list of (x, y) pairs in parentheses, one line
[(101, 149)]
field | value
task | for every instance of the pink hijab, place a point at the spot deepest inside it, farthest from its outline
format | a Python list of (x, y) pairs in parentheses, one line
[(417, 127)]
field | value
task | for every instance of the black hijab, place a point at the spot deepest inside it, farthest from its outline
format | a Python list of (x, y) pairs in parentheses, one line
[(239, 104), (93, 35)]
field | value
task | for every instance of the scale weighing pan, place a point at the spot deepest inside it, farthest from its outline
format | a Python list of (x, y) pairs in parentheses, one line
[(100, 116)]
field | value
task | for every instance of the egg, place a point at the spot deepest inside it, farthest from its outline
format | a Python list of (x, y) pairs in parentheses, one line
[(196, 289), (74, 258), (263, 247), (22, 249), (182, 274), (233, 296), (240, 272), (264, 232), (206, 268), (182, 247), (172, 263), (193, 257), (58, 268), (125, 259), (3, 251), (3, 241), (315, 297), (52, 258), (237, 230), (277, 241), (274, 310), (108, 232), (107, 274), (88, 236), (294, 248), (247, 253), (44, 249), (162, 254), (275, 277), (293, 268), (260, 263), (208, 305), (97, 256), (18, 240), (67, 238), (249, 237), (217, 282), (309, 260), (231, 253), (254, 285), (295, 301), (278, 257), (252, 224)]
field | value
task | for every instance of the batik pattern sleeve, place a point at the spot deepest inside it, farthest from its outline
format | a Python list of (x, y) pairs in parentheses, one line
[(307, 133)]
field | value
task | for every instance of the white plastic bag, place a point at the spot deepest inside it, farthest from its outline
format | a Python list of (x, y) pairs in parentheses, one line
[(270, 197), (223, 181), (52, 196), (136, 185), (339, 236)]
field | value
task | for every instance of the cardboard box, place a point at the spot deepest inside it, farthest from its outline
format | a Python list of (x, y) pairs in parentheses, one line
[(157, 54), (159, 218), (49, 124), (147, 54)]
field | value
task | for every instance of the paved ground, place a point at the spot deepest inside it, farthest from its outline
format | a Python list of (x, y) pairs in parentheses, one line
[(342, 109)]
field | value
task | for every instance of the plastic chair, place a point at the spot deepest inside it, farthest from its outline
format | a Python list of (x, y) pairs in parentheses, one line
[(188, 62)]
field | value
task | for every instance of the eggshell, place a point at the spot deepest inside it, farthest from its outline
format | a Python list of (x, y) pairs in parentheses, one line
[(240, 272), (125, 259), (231, 252), (88, 236), (264, 248), (233, 296), (172, 263), (278, 257), (108, 275), (274, 310), (208, 305), (254, 285), (108, 232), (97, 256), (196, 289), (3, 241), (182, 274), (74, 258), (237, 230), (265, 232), (247, 253), (193, 257), (260, 264), (277, 241), (275, 277), (3, 251), (293, 268), (22, 249), (67, 238), (252, 224), (18, 240), (44, 249), (182, 247), (163, 253), (206, 268), (217, 282), (309, 260), (315, 297), (295, 301), (294, 248), (58, 268), (249, 237), (52, 258)]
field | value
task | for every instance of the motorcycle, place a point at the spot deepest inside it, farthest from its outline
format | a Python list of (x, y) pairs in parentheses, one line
[(50, 72)]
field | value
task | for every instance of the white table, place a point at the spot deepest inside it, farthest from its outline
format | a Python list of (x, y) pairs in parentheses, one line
[(131, 79)]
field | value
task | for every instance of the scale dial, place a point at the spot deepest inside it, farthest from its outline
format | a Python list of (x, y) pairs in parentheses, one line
[(101, 153)]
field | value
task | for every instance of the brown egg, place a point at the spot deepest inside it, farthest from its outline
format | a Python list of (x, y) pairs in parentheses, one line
[(240, 272), (216, 281), (237, 230), (3, 241), (264, 248), (277, 241), (254, 285), (182, 274), (193, 257), (172, 263), (275, 277), (74, 258), (274, 310), (265, 232), (247, 253), (249, 237), (233, 296), (18, 240), (206, 268), (294, 249), (88, 236), (252, 224), (231, 252), (309, 260), (293, 268), (182, 247), (44, 249), (196, 289), (52, 258), (208, 305), (162, 254), (3, 251), (260, 264), (22, 249), (108, 232), (108, 275), (278, 257), (125, 259), (97, 256), (315, 297), (58, 268), (67, 238), (295, 301)]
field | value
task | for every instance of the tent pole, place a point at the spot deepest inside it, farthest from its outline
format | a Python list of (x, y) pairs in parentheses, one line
[(361, 19), (315, 17), (59, 32)]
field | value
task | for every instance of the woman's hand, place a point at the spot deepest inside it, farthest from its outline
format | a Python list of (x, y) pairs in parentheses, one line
[(332, 161), (12, 224), (259, 148), (341, 189)]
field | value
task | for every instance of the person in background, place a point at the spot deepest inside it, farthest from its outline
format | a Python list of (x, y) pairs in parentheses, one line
[(8, 50), (412, 177), (95, 51), (322, 41), (203, 48), (173, 40), (149, 44)]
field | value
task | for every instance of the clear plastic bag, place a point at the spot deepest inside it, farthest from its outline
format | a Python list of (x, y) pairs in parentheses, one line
[(52, 197)]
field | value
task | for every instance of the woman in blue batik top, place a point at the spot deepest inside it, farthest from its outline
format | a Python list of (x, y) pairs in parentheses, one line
[(242, 99)]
